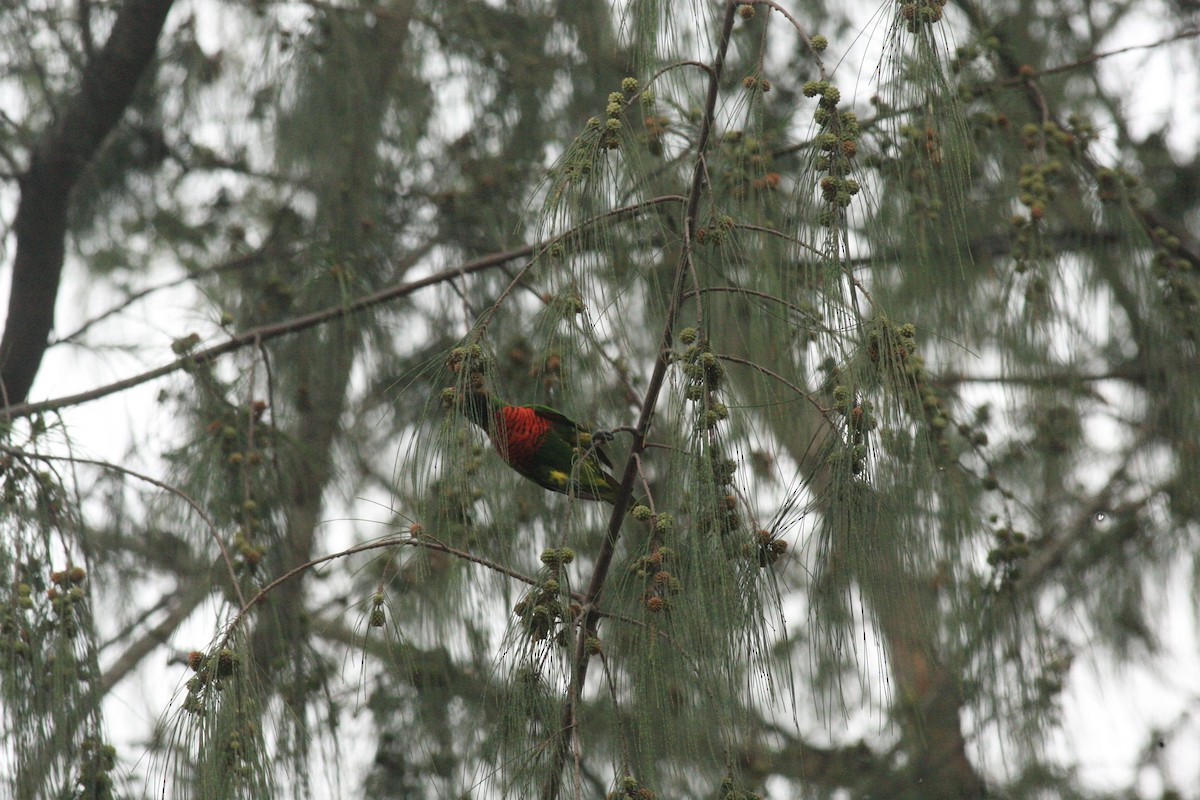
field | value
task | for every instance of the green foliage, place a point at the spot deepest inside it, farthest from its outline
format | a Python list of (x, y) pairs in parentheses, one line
[(886, 463)]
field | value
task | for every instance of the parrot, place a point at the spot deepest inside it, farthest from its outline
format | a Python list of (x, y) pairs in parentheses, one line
[(545, 446)]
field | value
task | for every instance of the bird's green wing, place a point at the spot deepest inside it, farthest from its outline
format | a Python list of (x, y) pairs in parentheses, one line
[(556, 416), (570, 430)]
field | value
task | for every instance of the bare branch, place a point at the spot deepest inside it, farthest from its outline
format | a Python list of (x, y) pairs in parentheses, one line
[(262, 333), (106, 89)]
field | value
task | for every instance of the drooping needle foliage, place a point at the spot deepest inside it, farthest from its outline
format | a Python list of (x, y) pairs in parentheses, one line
[(873, 336)]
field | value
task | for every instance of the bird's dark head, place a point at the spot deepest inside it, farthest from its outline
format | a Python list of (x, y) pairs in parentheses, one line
[(470, 395), (475, 403)]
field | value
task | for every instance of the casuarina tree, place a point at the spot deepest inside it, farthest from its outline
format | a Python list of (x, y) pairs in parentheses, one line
[(873, 329)]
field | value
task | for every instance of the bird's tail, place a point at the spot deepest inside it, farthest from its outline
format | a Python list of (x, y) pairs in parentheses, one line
[(613, 488)]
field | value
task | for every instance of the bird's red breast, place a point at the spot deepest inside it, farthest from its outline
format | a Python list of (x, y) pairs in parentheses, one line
[(517, 435)]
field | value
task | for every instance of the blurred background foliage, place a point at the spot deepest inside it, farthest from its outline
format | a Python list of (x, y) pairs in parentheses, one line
[(890, 308)]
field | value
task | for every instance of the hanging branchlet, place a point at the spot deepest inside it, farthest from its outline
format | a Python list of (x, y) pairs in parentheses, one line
[(242, 439), (769, 547), (704, 375), (185, 344), (453, 493), (97, 761), (917, 14), (893, 349), (32, 630), (470, 363), (566, 304), (1052, 674), (547, 610), (213, 671), (1038, 185), (629, 788), (723, 469), (747, 169), (1115, 185), (654, 568), (918, 158), (610, 136), (838, 145), (378, 616), (1006, 556), (29, 492), (756, 83), (47, 655), (16, 632), (859, 420), (549, 369), (49, 497), (1049, 139), (38, 610), (67, 597), (732, 790), (1176, 270), (716, 231), (655, 125), (240, 745), (229, 427), (600, 135)]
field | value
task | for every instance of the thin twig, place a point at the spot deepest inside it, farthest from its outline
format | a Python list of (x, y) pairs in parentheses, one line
[(776, 376), (264, 333), (408, 540), (1189, 33), (814, 52), (810, 316), (631, 209), (429, 542), (773, 232), (130, 299), (175, 490)]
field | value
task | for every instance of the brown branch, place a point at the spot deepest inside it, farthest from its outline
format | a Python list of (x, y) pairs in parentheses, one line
[(430, 543), (106, 90), (582, 656), (262, 333), (425, 541), (1189, 33)]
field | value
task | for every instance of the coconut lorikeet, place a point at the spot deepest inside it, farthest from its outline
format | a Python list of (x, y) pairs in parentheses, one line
[(545, 446)]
